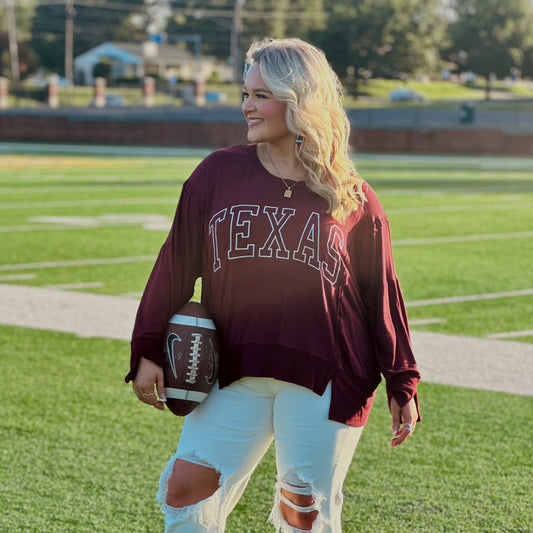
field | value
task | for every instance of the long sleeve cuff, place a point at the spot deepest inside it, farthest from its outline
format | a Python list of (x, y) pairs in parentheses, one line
[(403, 387), (150, 348)]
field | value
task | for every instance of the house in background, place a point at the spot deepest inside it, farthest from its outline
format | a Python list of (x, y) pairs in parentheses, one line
[(136, 60), (122, 63)]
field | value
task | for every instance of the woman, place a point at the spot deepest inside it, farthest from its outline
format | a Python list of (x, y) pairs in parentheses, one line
[(294, 253)]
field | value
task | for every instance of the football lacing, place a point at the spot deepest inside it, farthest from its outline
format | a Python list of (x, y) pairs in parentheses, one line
[(194, 359)]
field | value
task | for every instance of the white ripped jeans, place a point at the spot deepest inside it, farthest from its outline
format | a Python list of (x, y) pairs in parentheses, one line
[(233, 428)]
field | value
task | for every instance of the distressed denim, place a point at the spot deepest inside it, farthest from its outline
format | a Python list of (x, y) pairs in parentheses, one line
[(231, 431)]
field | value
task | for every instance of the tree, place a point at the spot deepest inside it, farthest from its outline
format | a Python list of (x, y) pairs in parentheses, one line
[(93, 25), (24, 10), (147, 17), (390, 38), (527, 65), (491, 37), (214, 20), (282, 18), (28, 60)]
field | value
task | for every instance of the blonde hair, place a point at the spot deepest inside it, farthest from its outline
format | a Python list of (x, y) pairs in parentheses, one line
[(299, 74)]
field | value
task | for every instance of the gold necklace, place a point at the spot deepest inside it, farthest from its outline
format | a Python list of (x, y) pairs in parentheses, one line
[(288, 189)]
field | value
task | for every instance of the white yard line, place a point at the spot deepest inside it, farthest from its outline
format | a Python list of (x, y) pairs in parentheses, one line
[(459, 208), (511, 334), (17, 277), (132, 295), (35, 227), (469, 298), (165, 226), (108, 220), (426, 321), (45, 189), (471, 191), (78, 262), (85, 203), (152, 258), (39, 204), (77, 286), (463, 238), (486, 162)]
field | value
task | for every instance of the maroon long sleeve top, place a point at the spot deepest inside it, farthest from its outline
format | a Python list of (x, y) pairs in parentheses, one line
[(295, 294)]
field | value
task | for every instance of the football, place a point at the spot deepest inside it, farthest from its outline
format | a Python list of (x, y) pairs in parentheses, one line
[(191, 358)]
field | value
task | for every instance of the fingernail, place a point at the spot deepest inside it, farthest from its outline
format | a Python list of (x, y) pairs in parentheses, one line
[(163, 397)]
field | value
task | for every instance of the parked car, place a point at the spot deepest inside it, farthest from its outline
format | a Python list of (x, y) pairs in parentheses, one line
[(404, 94), (214, 97)]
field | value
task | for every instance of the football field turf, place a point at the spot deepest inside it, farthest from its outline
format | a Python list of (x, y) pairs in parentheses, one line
[(78, 453)]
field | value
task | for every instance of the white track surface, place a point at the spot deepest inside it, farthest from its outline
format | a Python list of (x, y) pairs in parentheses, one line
[(447, 359)]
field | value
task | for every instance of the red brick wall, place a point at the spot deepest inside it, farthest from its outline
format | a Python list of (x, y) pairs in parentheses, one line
[(465, 141), (50, 128), (61, 129)]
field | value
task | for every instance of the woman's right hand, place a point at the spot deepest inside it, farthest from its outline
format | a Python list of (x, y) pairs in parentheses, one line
[(149, 377)]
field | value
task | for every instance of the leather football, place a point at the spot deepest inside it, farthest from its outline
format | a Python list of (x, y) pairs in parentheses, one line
[(191, 358)]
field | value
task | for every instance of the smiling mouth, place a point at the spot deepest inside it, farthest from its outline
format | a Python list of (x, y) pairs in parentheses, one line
[(253, 122)]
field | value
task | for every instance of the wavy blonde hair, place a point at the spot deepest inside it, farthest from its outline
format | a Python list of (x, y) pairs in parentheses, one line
[(299, 74)]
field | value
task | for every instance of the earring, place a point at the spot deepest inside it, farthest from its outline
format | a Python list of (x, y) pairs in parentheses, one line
[(299, 139)]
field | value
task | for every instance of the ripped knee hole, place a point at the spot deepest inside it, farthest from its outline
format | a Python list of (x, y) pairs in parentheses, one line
[(190, 483), (299, 509), (300, 502)]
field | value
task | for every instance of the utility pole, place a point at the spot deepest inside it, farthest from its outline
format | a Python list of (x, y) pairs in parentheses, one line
[(236, 40), (13, 46), (69, 41)]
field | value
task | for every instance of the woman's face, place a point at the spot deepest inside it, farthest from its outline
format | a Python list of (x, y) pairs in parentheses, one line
[(265, 115)]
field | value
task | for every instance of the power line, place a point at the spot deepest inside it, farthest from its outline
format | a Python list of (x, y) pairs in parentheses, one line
[(198, 12), (89, 13), (94, 3)]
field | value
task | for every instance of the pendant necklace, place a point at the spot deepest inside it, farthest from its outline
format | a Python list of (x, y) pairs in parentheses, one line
[(288, 188)]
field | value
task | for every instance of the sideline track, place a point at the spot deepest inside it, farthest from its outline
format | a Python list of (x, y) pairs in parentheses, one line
[(496, 365)]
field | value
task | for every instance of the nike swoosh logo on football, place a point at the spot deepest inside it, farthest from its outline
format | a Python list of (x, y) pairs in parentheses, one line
[(170, 348)]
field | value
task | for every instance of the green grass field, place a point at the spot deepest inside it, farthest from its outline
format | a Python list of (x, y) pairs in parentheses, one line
[(80, 454)]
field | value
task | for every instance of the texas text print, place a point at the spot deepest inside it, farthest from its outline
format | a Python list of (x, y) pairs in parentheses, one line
[(310, 248)]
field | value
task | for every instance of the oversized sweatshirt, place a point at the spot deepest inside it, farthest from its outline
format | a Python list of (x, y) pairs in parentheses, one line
[(295, 294)]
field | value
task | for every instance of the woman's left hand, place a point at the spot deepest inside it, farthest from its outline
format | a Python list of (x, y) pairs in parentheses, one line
[(403, 421)]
